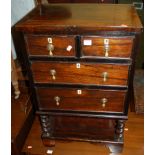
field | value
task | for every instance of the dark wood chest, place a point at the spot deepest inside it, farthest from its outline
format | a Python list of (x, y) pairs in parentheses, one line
[(80, 59)]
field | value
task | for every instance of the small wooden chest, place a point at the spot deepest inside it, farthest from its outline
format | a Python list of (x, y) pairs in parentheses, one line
[(81, 59)]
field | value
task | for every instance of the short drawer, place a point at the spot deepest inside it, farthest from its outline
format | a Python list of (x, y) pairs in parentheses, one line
[(98, 100), (51, 46), (110, 47), (80, 73)]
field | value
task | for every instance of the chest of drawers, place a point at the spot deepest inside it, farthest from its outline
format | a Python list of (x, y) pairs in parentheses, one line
[(81, 67)]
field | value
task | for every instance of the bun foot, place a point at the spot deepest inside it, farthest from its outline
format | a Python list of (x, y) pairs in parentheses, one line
[(48, 142)]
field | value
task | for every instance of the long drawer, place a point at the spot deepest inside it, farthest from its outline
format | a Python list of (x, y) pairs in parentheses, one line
[(97, 100), (109, 47), (80, 73)]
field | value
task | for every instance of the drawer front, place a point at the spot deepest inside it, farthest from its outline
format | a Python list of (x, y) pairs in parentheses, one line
[(106, 47), (79, 73), (81, 99), (51, 45)]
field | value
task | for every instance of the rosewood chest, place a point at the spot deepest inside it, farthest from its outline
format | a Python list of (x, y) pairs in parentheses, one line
[(80, 59)]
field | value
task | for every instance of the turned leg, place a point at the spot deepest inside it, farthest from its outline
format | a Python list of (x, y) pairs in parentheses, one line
[(47, 130), (119, 130)]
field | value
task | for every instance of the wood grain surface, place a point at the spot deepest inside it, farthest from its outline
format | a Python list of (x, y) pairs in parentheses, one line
[(37, 45), (133, 137), (118, 47), (84, 18), (78, 128), (88, 73), (88, 100)]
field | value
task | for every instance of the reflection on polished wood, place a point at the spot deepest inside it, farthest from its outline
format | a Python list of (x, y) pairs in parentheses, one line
[(133, 138), (71, 119), (74, 21)]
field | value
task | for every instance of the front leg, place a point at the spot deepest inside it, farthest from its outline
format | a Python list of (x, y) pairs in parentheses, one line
[(117, 147), (47, 130), (119, 130)]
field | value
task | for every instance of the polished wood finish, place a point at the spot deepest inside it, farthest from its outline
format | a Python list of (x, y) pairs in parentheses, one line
[(119, 130), (77, 129), (133, 141), (87, 100), (81, 120), (73, 20), (87, 73), (119, 47), (22, 117), (37, 45)]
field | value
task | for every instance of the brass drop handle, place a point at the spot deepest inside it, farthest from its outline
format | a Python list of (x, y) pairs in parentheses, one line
[(106, 47), (104, 102), (57, 99), (105, 76), (50, 46), (53, 73), (106, 51)]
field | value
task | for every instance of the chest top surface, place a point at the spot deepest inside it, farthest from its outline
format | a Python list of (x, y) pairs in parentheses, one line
[(76, 17)]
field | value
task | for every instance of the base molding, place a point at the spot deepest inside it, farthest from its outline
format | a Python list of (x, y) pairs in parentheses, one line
[(48, 142)]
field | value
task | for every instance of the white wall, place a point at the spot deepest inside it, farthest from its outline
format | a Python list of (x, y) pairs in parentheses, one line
[(19, 8)]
